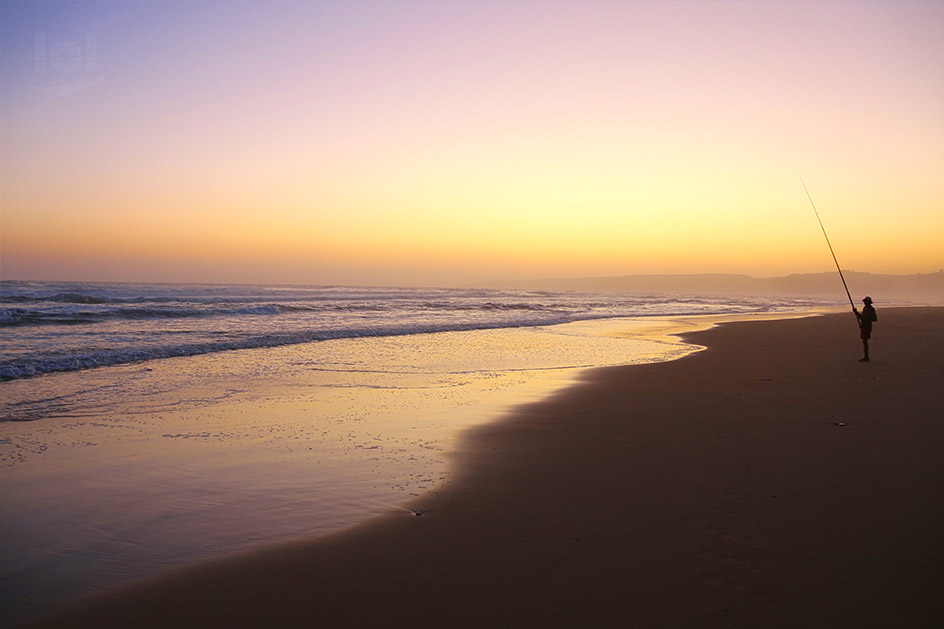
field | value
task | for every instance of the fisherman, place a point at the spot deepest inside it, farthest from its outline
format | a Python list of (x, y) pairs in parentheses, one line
[(866, 317)]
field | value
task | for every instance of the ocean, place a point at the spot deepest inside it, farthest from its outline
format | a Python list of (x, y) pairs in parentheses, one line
[(53, 327), (147, 425)]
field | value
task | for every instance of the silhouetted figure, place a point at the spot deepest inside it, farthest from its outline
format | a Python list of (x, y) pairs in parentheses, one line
[(866, 317)]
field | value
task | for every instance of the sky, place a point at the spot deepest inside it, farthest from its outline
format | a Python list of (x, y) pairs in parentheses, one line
[(445, 143)]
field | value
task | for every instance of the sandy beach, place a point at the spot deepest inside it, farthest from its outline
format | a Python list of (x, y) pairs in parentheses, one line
[(769, 481)]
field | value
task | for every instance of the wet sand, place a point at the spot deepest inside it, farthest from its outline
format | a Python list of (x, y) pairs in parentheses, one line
[(771, 480), (127, 471)]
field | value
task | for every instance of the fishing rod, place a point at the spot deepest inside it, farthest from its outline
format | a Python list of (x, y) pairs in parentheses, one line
[(851, 303)]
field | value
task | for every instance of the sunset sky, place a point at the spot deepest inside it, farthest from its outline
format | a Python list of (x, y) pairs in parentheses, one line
[(442, 143)]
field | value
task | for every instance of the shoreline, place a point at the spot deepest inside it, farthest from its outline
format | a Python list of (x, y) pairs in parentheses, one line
[(713, 490), (185, 461)]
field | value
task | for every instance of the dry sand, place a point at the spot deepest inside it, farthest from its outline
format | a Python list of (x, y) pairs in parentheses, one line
[(769, 481)]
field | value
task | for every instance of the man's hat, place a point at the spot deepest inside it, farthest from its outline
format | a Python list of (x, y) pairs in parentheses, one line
[(867, 300)]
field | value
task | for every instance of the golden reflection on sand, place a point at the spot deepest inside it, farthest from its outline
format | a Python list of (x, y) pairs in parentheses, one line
[(163, 462)]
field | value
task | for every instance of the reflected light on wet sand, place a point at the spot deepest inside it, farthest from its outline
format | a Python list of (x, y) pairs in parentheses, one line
[(160, 463)]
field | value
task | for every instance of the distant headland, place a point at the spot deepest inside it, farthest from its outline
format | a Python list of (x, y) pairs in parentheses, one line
[(921, 287)]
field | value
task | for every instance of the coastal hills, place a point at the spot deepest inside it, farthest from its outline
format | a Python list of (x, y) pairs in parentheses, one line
[(921, 287)]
